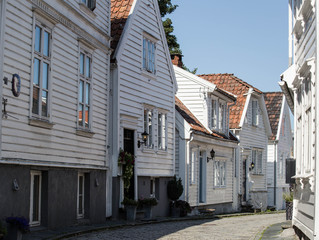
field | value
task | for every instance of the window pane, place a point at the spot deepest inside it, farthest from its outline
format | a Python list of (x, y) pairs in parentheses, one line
[(82, 63), (81, 91), (36, 71), (44, 103), (87, 67), (144, 53), (145, 120), (80, 121), (163, 131), (36, 198), (149, 60), (87, 111), (87, 93), (45, 70), (46, 43), (150, 129), (37, 40), (159, 131), (35, 100)]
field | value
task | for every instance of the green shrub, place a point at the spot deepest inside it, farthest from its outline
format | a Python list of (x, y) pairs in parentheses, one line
[(175, 188), (129, 202), (288, 196)]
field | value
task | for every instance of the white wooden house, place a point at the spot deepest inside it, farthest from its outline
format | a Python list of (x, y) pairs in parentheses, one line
[(202, 131), (280, 148), (143, 91), (250, 124), (53, 165), (300, 86)]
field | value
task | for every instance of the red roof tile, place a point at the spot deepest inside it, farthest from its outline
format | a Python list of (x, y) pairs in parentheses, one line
[(196, 124), (273, 101), (236, 86), (120, 10)]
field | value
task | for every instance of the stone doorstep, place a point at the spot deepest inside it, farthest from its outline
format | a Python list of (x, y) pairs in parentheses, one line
[(207, 211)]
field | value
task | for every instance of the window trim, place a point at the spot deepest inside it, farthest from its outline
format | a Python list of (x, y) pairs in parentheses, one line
[(80, 215), (82, 130), (153, 41), (193, 158), (89, 4), (219, 104), (32, 175), (222, 174), (45, 25)]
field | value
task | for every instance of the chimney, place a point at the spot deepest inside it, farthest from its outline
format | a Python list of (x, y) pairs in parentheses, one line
[(177, 59)]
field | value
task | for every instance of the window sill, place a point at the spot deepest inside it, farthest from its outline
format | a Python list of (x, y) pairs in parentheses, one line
[(161, 151), (84, 133), (148, 150), (257, 174), (86, 10), (149, 75), (41, 123), (220, 188)]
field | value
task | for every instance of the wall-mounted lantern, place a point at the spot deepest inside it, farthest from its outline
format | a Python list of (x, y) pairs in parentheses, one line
[(144, 137), (252, 166), (212, 155)]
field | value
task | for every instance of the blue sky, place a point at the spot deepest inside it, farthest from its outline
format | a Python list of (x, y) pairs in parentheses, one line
[(248, 38)]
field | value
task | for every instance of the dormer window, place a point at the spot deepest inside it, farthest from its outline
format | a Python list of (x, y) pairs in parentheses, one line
[(254, 110), (218, 115), (91, 4), (149, 55)]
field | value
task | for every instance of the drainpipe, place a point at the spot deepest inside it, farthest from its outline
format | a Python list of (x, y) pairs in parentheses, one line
[(187, 164), (275, 173)]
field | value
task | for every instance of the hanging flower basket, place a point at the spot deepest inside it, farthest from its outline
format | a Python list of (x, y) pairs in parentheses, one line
[(127, 161)]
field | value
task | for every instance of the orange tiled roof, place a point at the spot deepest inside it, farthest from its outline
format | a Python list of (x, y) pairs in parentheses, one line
[(120, 10), (195, 123), (236, 86), (273, 101)]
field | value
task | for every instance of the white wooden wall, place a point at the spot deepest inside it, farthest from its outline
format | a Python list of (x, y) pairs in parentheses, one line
[(59, 146), (255, 137), (136, 89)]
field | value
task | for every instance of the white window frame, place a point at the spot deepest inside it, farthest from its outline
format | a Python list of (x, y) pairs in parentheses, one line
[(193, 158), (43, 59), (86, 79), (162, 131), (149, 126), (254, 113), (257, 159), (91, 4), (218, 115), (149, 54), (219, 176), (80, 214), (33, 174)]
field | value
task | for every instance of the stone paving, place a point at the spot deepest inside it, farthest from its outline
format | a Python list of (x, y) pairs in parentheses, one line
[(242, 227)]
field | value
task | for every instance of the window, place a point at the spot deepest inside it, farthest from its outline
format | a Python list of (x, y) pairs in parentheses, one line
[(148, 126), (91, 4), (80, 196), (84, 101), (219, 173), (149, 55), (41, 72), (193, 162), (218, 115), (254, 106), (257, 159), (35, 198), (162, 118)]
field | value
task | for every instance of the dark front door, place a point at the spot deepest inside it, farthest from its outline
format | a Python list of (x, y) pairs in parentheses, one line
[(129, 147), (244, 197)]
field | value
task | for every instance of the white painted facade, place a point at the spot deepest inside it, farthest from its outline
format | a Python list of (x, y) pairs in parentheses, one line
[(134, 90), (278, 151), (253, 138), (198, 173), (299, 83), (40, 141)]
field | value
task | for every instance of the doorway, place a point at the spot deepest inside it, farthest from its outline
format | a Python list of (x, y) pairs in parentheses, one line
[(129, 147), (244, 180), (202, 178)]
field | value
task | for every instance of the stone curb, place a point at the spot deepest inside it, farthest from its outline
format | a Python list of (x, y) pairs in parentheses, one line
[(140, 223)]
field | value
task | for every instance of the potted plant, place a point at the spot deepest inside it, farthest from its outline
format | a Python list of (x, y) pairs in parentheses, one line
[(174, 191), (184, 207), (147, 204), (127, 161), (130, 208), (288, 197), (16, 227), (3, 231)]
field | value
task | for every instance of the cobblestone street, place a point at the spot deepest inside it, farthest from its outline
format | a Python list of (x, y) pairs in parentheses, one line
[(243, 227)]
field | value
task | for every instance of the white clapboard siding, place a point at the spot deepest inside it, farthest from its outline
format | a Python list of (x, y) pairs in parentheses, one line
[(137, 89), (255, 137), (59, 145)]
